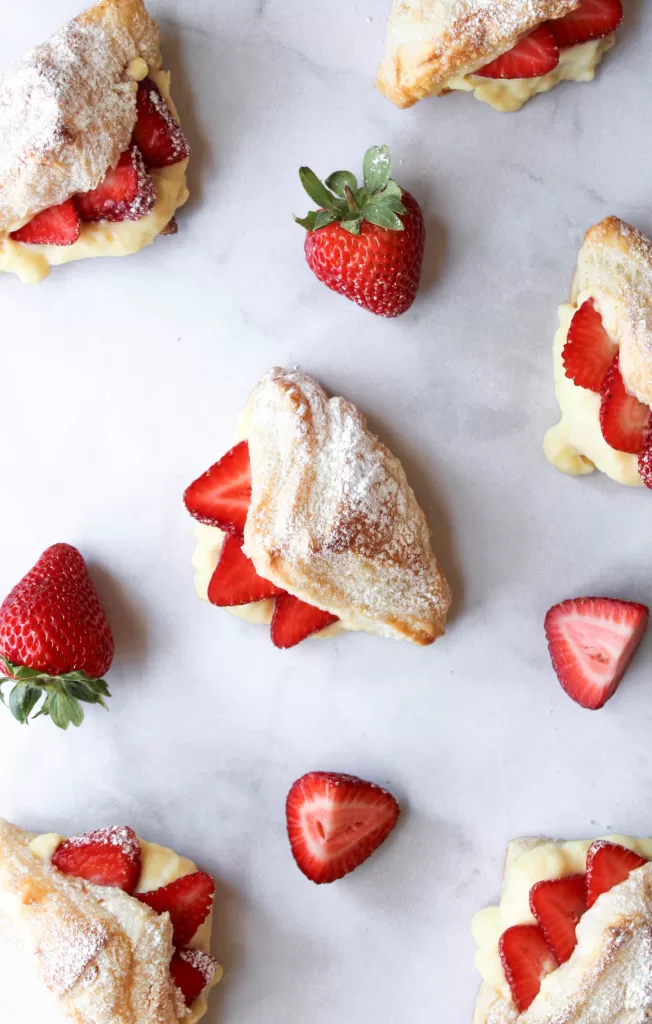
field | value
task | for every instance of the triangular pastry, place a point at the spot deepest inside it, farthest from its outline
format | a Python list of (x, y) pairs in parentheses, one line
[(93, 159), (437, 46), (603, 359), (104, 955), (329, 518)]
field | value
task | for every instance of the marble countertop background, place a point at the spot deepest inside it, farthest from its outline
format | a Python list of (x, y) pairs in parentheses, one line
[(121, 381)]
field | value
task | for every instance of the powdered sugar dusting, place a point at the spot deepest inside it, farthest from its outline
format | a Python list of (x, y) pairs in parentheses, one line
[(116, 835), (202, 962)]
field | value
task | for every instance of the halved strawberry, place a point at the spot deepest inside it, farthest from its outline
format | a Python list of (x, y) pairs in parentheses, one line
[(557, 905), (593, 19), (592, 641), (235, 581), (645, 464), (625, 422), (158, 134), (222, 495), (110, 856), (526, 959), (57, 226), (191, 972), (335, 822), (294, 620), (532, 57), (589, 352), (188, 901), (608, 864), (126, 193)]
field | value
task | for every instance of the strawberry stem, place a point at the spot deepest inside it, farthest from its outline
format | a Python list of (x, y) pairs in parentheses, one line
[(350, 198)]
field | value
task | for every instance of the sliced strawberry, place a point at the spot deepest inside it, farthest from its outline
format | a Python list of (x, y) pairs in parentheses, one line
[(335, 822), (158, 134), (221, 496), (526, 959), (558, 905), (532, 57), (625, 422), (191, 972), (593, 19), (592, 641), (188, 901), (645, 464), (111, 856), (589, 352), (235, 581), (57, 226), (126, 193), (607, 865), (294, 620)]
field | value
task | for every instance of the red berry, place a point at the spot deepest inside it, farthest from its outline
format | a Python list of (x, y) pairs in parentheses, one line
[(110, 856), (589, 352), (294, 620), (593, 19), (607, 865), (188, 901), (558, 905), (532, 57), (625, 422), (59, 225), (526, 959), (221, 496), (158, 134), (127, 192), (235, 581)]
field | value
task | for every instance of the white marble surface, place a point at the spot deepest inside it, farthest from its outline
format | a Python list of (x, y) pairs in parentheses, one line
[(121, 381)]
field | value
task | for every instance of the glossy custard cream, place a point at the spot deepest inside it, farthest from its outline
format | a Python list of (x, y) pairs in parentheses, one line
[(32, 262)]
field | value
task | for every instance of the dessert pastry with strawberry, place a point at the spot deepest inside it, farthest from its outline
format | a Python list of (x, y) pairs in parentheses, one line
[(570, 940), (504, 53), (119, 929), (105, 171), (603, 359), (309, 524)]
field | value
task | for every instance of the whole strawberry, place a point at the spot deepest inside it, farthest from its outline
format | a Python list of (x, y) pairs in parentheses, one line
[(365, 242), (54, 640)]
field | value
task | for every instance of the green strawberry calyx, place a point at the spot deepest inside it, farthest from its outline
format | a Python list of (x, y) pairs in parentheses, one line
[(377, 200), (63, 694)]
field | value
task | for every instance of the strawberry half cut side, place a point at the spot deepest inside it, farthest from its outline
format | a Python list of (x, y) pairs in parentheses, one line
[(589, 352), (157, 132), (526, 959), (127, 192), (294, 620), (532, 57), (591, 642), (607, 865), (192, 970), (221, 496), (335, 822), (625, 422), (235, 580), (188, 901), (110, 856), (593, 19), (558, 905), (59, 225)]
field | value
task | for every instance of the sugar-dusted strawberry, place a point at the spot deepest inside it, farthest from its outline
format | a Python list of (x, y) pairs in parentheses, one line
[(593, 19), (557, 905), (221, 496), (526, 959), (335, 822), (532, 57), (589, 352), (591, 642), (55, 640), (625, 422), (366, 242), (110, 856), (645, 464), (59, 225), (235, 581), (188, 901), (607, 865), (192, 970), (158, 134), (294, 620), (127, 192)]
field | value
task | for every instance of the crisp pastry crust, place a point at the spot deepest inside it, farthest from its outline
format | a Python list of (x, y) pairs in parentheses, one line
[(333, 519)]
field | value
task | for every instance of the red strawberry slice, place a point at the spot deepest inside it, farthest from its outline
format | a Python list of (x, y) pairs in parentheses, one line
[(294, 620), (335, 822), (158, 134), (126, 193), (59, 225), (110, 856), (592, 641), (191, 972), (188, 901), (645, 464), (526, 959), (235, 581), (607, 865), (222, 495), (532, 57), (557, 906), (593, 19), (589, 352), (625, 422)]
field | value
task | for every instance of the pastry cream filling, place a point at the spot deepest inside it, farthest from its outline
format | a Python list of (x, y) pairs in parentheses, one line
[(159, 866), (32, 262), (530, 864), (576, 445)]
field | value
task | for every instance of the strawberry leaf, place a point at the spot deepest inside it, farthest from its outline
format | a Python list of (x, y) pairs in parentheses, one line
[(315, 189), (377, 169), (323, 218), (64, 710), (62, 694), (352, 225), (380, 214), (339, 180), (22, 701), (307, 222)]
